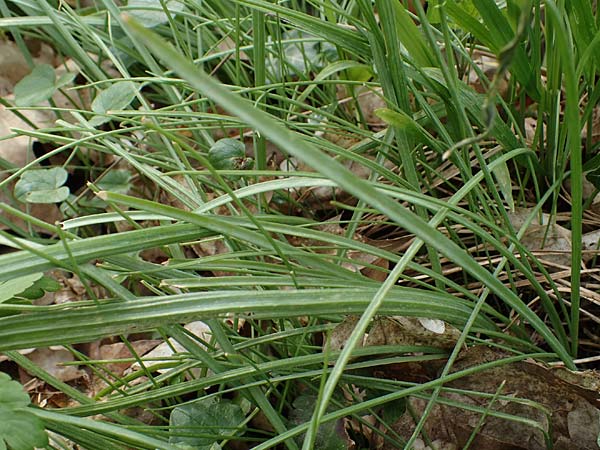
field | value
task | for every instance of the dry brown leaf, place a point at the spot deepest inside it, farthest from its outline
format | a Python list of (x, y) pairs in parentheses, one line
[(341, 333), (13, 66), (571, 399), (51, 360), (545, 236), (319, 198), (119, 350), (18, 151), (399, 330), (554, 240)]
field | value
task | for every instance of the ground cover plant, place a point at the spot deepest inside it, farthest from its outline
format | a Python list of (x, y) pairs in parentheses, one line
[(299, 224)]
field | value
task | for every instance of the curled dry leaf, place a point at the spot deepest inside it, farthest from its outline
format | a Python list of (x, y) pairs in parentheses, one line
[(552, 239)]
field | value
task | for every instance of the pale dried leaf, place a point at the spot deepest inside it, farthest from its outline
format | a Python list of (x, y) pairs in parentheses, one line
[(163, 352), (13, 66), (554, 240), (121, 351), (51, 360), (591, 243), (434, 325)]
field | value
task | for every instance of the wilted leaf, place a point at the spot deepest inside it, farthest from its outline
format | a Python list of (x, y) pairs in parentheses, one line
[(117, 96), (42, 186), (19, 428), (150, 13), (204, 422), (36, 87)]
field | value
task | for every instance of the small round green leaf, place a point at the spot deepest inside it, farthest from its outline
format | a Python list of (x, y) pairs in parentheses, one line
[(36, 87), (116, 97), (115, 181), (202, 423), (42, 186), (229, 154)]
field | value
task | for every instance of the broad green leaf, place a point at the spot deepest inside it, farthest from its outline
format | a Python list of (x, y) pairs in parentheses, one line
[(301, 53), (65, 79), (55, 325), (210, 419), (42, 186), (19, 428), (150, 13), (115, 181), (10, 288), (39, 287), (116, 97), (36, 87)]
